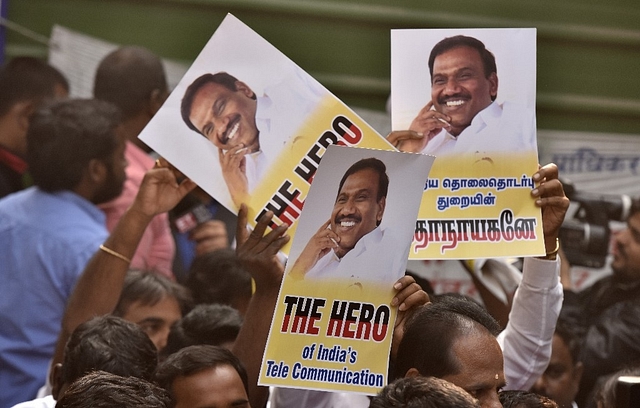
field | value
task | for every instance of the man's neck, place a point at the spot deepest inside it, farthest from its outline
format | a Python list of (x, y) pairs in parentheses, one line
[(132, 128)]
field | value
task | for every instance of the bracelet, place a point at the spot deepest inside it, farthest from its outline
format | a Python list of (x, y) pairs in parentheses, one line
[(117, 255), (552, 255)]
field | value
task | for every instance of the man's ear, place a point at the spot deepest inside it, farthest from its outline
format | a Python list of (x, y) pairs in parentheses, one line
[(55, 378), (412, 372), (493, 88), (96, 171), (381, 204), (23, 111), (156, 99), (578, 369), (245, 90)]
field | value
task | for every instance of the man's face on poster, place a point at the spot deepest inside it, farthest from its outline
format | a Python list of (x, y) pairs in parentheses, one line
[(226, 117), (357, 210), (459, 86)]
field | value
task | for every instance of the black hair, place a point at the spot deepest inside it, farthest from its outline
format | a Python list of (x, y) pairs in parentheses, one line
[(205, 324), (449, 43), (100, 389), (28, 79), (111, 344), (127, 77), (218, 277), (150, 288), (431, 332), (524, 399), (370, 163), (570, 339), (220, 78), (193, 359), (64, 136), (423, 392)]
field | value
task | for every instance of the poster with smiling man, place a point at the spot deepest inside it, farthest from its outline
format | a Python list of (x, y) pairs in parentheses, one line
[(467, 96), (333, 322), (250, 126)]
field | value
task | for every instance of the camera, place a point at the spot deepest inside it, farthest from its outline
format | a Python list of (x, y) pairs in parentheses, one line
[(585, 237)]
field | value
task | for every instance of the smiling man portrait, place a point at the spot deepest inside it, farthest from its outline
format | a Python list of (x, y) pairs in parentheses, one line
[(462, 114), (248, 130), (352, 244)]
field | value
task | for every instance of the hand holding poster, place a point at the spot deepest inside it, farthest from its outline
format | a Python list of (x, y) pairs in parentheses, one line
[(447, 101), (333, 321)]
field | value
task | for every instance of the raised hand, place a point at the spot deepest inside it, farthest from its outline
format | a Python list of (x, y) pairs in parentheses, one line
[(551, 199)]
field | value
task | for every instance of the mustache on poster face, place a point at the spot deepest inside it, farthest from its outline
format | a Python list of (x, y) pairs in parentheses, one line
[(462, 95), (339, 218)]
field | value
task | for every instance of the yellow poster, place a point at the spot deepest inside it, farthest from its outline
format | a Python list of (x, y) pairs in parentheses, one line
[(333, 323), (467, 96)]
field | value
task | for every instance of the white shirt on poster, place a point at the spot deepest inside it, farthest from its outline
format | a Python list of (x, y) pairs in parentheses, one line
[(281, 112), (509, 127), (379, 256)]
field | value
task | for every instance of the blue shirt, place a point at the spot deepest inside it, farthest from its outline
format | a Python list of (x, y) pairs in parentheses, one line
[(46, 241)]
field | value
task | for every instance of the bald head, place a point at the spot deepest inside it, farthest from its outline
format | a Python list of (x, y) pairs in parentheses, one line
[(129, 77)]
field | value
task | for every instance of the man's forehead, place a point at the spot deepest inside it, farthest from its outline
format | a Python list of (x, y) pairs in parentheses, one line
[(475, 346), (364, 181), (212, 90), (474, 56)]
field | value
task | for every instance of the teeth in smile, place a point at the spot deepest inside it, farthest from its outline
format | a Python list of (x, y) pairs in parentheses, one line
[(233, 131), (347, 224), (454, 103)]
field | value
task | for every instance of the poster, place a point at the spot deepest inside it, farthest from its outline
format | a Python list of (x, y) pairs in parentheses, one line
[(470, 93), (333, 323), (248, 125)]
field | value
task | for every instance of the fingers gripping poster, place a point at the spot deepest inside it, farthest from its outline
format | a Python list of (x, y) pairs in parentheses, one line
[(333, 322)]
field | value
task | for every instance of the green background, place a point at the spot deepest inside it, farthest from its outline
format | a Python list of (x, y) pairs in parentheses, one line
[(588, 51)]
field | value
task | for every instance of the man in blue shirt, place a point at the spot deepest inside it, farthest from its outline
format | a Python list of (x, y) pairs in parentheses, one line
[(48, 233)]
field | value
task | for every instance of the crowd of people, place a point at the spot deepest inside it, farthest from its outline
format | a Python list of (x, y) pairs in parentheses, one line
[(93, 315)]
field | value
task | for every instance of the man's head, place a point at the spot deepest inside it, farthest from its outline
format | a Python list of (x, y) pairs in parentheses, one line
[(219, 277), (223, 110), (101, 389), (154, 303), (626, 247), (133, 79), (423, 392), (204, 376), (74, 145), (106, 343), (561, 379), (454, 339), (25, 82), (216, 325), (359, 206), (464, 79)]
